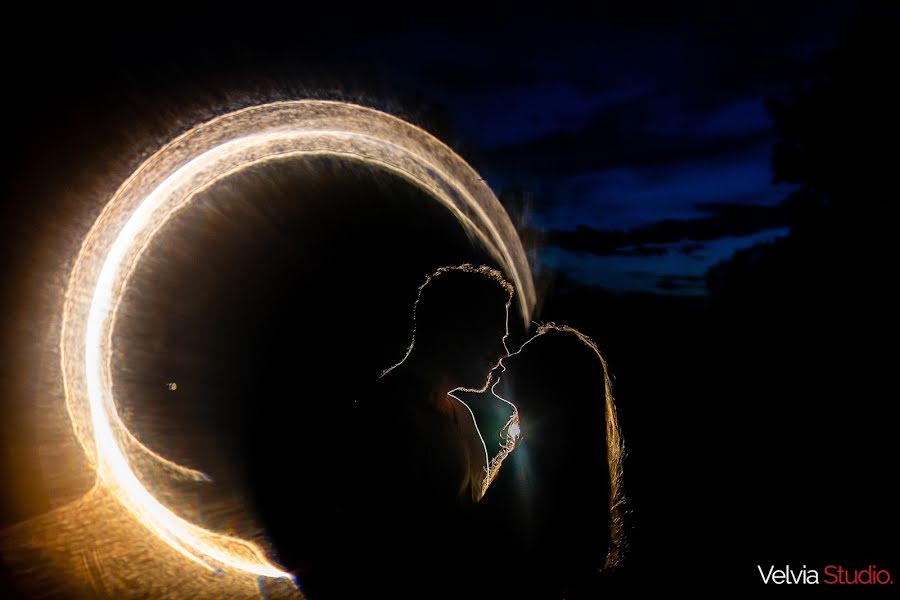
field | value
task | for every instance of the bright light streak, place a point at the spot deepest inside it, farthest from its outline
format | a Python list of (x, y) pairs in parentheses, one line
[(166, 183)]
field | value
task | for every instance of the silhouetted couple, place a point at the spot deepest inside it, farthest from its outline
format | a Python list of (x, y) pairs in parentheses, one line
[(422, 520)]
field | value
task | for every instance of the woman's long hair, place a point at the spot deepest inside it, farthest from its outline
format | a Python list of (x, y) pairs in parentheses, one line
[(546, 407), (615, 450)]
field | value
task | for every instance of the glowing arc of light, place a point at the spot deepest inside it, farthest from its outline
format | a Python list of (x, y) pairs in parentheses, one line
[(165, 183)]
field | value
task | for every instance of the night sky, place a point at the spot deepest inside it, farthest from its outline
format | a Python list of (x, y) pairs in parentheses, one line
[(707, 191), (639, 141), (632, 143)]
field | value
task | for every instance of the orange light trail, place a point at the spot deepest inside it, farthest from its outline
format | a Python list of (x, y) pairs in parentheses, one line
[(165, 184)]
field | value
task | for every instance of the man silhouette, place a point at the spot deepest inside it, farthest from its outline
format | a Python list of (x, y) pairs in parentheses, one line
[(419, 461), (460, 321)]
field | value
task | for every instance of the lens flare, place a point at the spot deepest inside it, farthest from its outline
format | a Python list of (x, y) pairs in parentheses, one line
[(165, 184)]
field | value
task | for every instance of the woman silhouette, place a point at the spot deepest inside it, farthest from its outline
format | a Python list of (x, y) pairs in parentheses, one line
[(555, 505)]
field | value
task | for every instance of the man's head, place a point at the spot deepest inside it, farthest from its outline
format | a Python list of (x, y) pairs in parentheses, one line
[(461, 322)]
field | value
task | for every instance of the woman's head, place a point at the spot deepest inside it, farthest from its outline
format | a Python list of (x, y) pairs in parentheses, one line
[(559, 383)]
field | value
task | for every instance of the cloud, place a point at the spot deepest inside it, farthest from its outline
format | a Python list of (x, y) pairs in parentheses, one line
[(535, 95), (672, 272), (635, 132), (680, 283), (723, 220)]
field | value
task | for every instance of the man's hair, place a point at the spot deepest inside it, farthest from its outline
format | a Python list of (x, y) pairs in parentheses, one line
[(456, 297), (460, 296), (485, 271)]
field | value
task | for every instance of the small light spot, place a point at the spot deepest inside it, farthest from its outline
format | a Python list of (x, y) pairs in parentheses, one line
[(172, 386)]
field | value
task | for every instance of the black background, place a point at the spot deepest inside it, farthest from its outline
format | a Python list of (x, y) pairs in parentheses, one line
[(758, 418)]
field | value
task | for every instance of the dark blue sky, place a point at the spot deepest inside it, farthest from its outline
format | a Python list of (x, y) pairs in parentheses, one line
[(633, 140), (630, 135)]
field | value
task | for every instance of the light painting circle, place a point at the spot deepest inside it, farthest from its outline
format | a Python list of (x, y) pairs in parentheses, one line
[(166, 183)]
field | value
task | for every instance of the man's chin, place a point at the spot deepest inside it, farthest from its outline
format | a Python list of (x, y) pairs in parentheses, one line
[(479, 386), (483, 386)]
